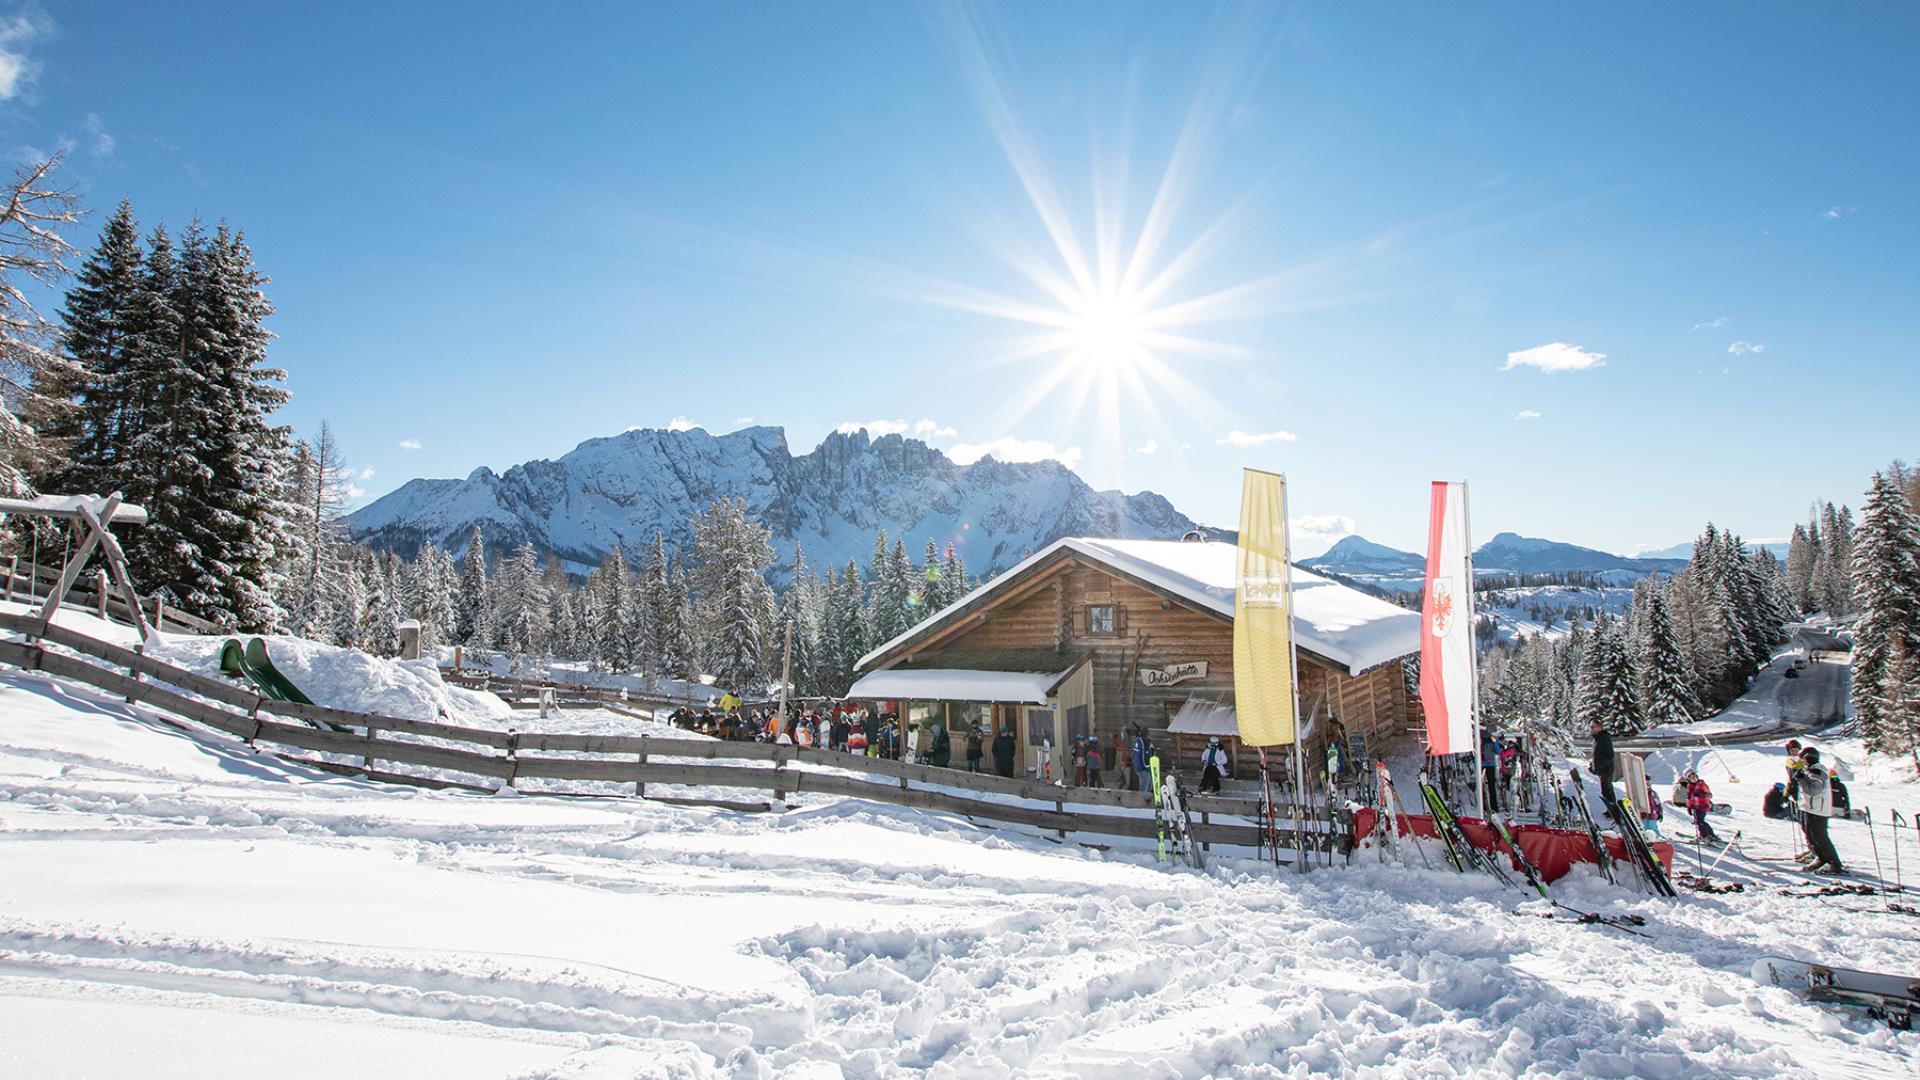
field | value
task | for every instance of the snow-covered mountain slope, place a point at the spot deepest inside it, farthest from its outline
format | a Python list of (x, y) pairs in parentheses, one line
[(1684, 551), (1515, 554), (1359, 555), (624, 488)]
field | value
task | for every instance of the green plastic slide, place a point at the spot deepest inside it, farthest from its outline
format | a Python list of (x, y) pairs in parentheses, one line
[(253, 664)]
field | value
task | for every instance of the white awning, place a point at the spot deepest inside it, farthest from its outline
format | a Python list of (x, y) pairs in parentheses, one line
[(957, 684), (1200, 716)]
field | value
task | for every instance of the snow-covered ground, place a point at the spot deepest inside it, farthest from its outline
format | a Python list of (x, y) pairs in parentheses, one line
[(178, 906)]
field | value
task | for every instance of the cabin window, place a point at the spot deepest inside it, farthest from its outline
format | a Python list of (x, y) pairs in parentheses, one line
[(1100, 619)]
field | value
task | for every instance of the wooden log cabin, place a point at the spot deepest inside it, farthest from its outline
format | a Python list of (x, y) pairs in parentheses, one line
[(1098, 637)]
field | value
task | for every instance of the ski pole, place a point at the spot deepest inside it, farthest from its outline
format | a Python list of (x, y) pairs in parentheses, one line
[(1899, 883), (1874, 836)]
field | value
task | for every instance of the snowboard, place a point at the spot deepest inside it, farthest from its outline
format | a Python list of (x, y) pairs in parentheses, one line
[(1893, 998)]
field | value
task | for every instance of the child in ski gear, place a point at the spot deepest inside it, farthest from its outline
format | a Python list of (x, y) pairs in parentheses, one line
[(1079, 761), (1213, 767), (1142, 749), (1814, 791), (975, 749), (1775, 805), (1699, 804), (1093, 762)]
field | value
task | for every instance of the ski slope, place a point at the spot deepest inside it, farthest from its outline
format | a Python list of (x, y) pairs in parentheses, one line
[(178, 906)]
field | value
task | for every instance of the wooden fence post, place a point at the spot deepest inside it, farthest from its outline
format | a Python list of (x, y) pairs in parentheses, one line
[(100, 583), (159, 612), (779, 777), (640, 784), (13, 564), (513, 757), (367, 762)]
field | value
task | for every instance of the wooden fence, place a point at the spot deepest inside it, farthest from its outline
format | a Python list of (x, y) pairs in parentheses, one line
[(29, 581), (633, 761)]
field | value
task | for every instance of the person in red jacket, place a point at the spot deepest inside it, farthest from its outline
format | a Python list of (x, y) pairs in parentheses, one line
[(1699, 804)]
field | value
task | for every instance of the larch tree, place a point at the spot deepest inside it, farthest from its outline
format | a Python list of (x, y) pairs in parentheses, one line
[(35, 376)]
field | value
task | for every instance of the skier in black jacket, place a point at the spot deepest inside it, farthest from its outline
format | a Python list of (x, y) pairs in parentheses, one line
[(1003, 748), (1603, 767)]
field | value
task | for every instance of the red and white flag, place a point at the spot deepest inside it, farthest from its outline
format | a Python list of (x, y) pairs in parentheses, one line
[(1446, 626)]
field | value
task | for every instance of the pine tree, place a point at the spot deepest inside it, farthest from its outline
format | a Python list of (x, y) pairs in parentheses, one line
[(429, 594), (348, 609), (380, 621), (955, 578), (845, 630), (1606, 684), (731, 557), (1669, 697), (679, 651), (1886, 582), (473, 610), (657, 613), (318, 478), (97, 329), (608, 609), (1801, 554)]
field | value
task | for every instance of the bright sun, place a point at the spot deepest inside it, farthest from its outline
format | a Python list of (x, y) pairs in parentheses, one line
[(1106, 332)]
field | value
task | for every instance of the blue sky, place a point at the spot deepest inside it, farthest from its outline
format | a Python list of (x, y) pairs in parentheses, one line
[(493, 235)]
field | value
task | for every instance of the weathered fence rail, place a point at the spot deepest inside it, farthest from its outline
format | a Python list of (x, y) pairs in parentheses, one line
[(23, 580), (634, 761)]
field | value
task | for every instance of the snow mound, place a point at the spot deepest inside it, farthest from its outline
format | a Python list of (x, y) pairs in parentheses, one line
[(350, 679)]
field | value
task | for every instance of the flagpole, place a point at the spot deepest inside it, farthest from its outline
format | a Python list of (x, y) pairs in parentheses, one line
[(1473, 658), (1293, 662)]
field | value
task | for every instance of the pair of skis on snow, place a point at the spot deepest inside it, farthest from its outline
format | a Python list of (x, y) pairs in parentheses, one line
[(1893, 998)]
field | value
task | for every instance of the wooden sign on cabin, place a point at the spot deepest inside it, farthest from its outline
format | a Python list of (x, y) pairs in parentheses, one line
[(1173, 673)]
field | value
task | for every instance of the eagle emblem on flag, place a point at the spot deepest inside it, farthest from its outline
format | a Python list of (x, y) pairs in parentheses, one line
[(1440, 607)]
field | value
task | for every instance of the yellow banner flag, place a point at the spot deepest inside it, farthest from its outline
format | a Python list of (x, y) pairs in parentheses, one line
[(1263, 615)]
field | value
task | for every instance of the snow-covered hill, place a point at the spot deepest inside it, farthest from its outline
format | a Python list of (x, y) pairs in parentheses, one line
[(1394, 570), (178, 906), (625, 488)]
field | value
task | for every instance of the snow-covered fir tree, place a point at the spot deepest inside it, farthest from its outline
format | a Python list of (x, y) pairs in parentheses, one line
[(1668, 687), (800, 609), (521, 615), (473, 601), (846, 630), (429, 586), (608, 603), (97, 323), (318, 550), (380, 621), (1606, 689), (1886, 584), (1801, 554), (656, 613), (731, 555), (679, 650)]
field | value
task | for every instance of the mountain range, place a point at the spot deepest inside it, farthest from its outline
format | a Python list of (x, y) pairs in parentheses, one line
[(1507, 553), (831, 500)]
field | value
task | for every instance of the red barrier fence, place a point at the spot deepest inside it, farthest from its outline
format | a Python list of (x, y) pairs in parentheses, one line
[(1552, 851)]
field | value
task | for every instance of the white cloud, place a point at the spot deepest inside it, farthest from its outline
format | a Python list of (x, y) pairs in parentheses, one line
[(1556, 356), (1313, 534), (355, 491), (743, 421), (1147, 447), (1713, 325), (933, 429), (1241, 438), (18, 35), (409, 444), (366, 473), (1527, 414), (1185, 446), (681, 423), (1835, 213), (1742, 348), (1008, 448), (102, 145), (875, 428)]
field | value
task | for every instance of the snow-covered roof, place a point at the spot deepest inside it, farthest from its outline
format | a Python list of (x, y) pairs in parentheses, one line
[(953, 684), (69, 506), (1199, 716), (1332, 620)]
